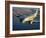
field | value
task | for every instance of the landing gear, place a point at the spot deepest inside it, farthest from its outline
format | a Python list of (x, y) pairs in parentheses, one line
[(29, 22)]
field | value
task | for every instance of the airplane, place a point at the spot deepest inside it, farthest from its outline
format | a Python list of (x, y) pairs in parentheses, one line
[(31, 18)]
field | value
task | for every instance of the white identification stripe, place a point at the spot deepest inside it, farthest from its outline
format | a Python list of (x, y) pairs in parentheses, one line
[(25, 31)]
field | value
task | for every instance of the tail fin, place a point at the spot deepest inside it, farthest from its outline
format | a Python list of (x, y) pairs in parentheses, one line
[(36, 12)]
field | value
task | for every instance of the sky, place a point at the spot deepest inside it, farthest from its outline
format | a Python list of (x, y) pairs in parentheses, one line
[(24, 12)]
